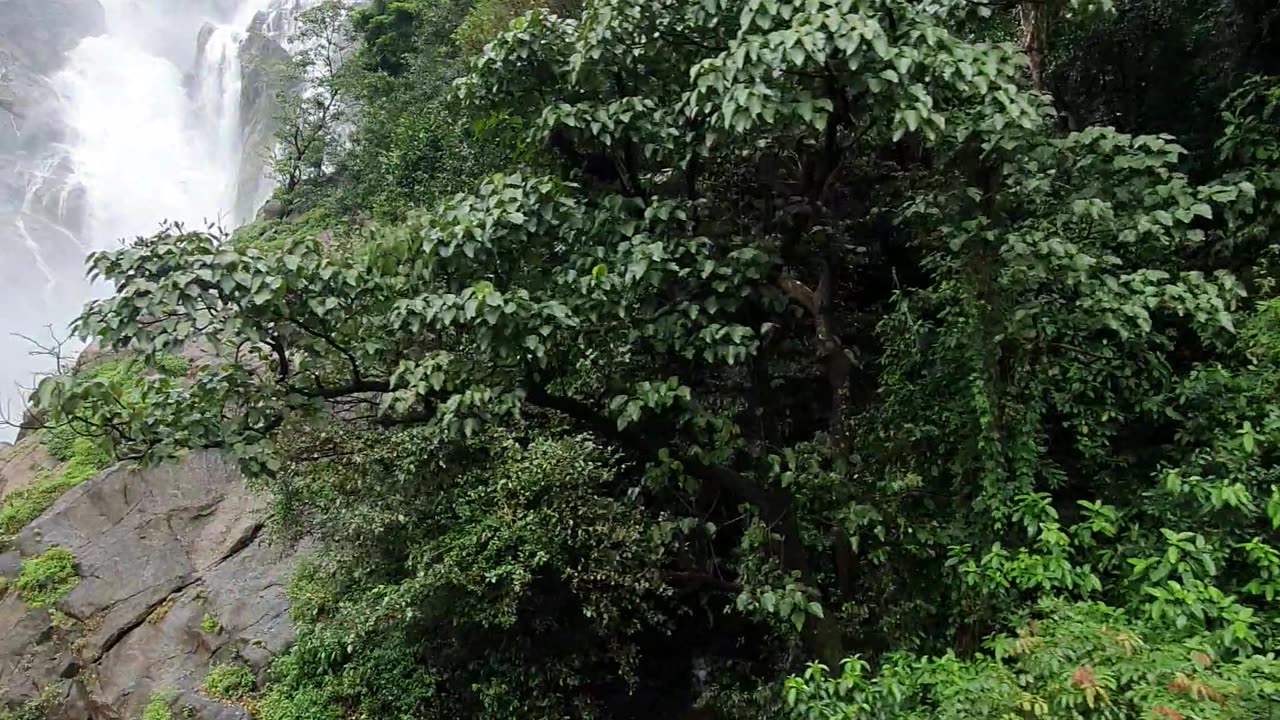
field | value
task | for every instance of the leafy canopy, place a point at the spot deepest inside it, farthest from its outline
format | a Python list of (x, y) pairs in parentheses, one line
[(788, 329)]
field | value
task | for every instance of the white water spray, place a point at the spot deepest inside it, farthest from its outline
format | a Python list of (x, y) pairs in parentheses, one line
[(148, 147), (154, 132)]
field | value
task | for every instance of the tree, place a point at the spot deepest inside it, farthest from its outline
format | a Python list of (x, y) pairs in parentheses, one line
[(823, 340), (450, 322), (315, 101), (390, 33)]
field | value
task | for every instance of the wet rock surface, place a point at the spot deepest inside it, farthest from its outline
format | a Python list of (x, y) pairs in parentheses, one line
[(22, 465), (262, 61), (175, 574)]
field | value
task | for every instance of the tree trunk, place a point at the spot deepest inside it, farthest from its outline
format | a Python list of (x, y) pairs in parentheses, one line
[(1033, 16)]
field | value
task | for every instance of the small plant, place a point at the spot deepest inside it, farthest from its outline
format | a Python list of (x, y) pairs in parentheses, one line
[(210, 625), (61, 620), (157, 707), (37, 708), (162, 610), (229, 682), (47, 577)]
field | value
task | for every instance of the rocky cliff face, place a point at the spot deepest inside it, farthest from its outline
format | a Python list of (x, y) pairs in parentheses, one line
[(262, 56), (173, 573)]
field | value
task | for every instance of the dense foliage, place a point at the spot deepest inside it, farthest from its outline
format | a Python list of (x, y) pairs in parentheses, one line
[(624, 358)]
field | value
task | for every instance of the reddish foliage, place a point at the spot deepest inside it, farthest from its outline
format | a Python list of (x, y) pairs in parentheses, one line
[(1083, 677)]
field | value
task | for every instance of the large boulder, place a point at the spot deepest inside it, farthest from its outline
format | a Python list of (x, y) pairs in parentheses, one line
[(175, 574)]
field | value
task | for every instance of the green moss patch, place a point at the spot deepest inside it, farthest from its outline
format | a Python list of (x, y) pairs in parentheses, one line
[(229, 682), (25, 505), (157, 707), (47, 577)]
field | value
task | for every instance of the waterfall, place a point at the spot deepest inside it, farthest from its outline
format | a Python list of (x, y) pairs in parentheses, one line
[(217, 81), (137, 153), (149, 128)]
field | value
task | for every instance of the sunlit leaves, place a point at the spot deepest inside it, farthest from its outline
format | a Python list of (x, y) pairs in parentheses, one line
[(791, 605), (1073, 660)]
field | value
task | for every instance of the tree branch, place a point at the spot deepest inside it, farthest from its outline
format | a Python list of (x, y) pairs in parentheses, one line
[(773, 504)]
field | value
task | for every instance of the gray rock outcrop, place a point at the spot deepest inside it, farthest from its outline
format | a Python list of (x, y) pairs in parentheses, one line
[(22, 465), (262, 62), (175, 574)]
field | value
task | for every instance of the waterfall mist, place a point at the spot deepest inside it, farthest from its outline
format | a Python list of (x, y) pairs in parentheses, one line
[(144, 123)]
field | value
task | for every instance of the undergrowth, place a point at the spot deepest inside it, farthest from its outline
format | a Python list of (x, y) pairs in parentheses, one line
[(229, 682), (82, 454)]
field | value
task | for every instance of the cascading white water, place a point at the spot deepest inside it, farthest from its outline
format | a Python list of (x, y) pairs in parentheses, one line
[(136, 154), (148, 148), (154, 132), (217, 108)]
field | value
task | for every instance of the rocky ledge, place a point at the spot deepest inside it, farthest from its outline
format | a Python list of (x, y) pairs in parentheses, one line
[(174, 574)]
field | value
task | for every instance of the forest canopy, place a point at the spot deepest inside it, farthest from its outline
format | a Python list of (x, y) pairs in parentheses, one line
[(749, 359)]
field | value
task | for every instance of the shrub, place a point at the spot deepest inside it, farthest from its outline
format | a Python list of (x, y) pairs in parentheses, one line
[(280, 703), (157, 707), (1070, 660), (229, 682)]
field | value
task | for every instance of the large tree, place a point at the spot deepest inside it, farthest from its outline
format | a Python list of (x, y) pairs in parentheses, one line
[(817, 310)]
